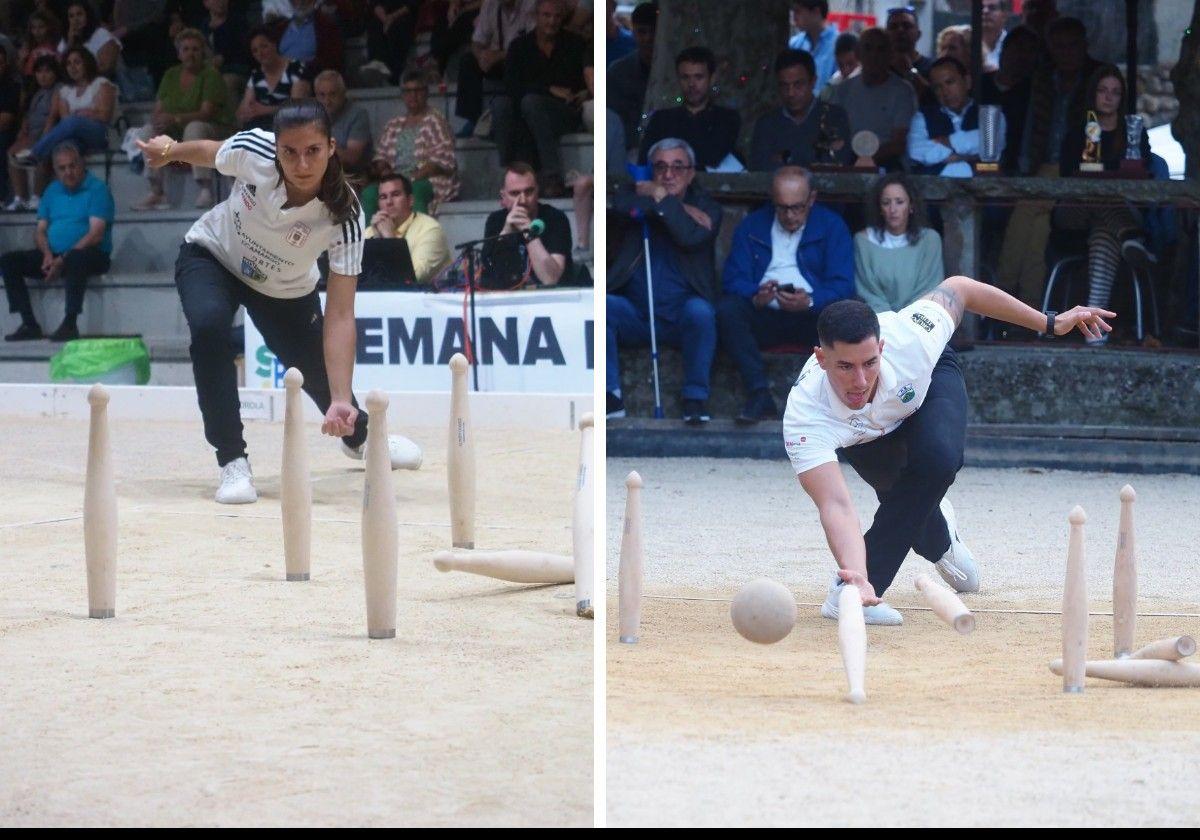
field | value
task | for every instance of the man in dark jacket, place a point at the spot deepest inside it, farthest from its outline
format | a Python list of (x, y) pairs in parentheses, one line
[(788, 261), (683, 223)]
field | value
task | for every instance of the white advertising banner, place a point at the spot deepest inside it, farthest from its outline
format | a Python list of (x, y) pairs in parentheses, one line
[(532, 342)]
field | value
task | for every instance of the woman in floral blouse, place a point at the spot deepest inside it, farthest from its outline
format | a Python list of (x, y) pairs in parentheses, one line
[(420, 145)]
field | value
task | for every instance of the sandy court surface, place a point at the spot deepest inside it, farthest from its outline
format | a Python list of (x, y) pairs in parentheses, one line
[(706, 728), (222, 695)]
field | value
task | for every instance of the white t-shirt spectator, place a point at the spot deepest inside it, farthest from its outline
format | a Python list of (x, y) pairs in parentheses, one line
[(99, 39), (497, 27), (817, 423)]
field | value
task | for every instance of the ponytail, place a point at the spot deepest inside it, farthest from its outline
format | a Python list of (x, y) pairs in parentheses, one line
[(335, 192)]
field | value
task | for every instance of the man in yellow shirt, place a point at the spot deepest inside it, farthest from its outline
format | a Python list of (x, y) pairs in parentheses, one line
[(396, 219)]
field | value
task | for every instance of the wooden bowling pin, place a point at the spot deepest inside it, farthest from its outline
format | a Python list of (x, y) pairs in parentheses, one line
[(100, 512), (1147, 672), (295, 492), (852, 638), (379, 539), (945, 604), (460, 458), (515, 566), (1075, 609), (1125, 579), (1174, 649), (582, 521), (629, 573)]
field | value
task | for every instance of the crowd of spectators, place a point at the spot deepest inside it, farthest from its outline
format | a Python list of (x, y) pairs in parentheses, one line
[(791, 258), (80, 75)]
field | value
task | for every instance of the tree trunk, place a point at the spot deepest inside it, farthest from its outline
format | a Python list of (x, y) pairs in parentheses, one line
[(1186, 78)]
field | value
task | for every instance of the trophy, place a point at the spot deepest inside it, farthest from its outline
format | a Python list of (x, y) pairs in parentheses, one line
[(989, 141), (865, 144), (1090, 160), (827, 143), (1132, 165)]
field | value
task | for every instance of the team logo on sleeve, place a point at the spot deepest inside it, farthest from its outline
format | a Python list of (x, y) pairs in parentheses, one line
[(297, 236), (924, 322), (906, 392)]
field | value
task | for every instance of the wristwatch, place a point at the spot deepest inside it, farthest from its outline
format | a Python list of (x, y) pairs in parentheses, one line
[(1050, 322)]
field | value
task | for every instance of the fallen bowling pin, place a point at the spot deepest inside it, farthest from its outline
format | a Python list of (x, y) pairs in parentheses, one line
[(295, 493), (1172, 649), (379, 538), (515, 566), (100, 512), (629, 573), (945, 604), (852, 639), (1143, 672), (763, 611), (582, 521)]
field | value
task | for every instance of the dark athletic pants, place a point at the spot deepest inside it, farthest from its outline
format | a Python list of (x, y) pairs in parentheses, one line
[(78, 266), (911, 469), (291, 328)]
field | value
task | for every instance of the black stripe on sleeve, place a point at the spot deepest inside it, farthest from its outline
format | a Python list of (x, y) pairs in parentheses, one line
[(238, 144)]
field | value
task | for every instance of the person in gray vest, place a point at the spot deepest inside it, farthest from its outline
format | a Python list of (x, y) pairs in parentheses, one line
[(943, 138)]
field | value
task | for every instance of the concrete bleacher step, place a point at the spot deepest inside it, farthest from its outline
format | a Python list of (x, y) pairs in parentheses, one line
[(115, 304), (149, 242), (29, 361)]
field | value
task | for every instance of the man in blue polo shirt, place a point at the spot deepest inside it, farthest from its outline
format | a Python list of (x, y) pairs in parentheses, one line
[(816, 37), (74, 241)]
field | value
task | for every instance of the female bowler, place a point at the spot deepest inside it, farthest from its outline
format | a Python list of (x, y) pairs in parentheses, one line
[(289, 204)]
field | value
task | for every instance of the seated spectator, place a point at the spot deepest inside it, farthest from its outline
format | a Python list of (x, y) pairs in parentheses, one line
[(995, 16), (311, 37), (628, 77), (955, 41), (898, 257), (500, 22), (515, 261), (419, 145), (816, 36), (683, 225), (193, 104), (10, 113), (944, 138), (710, 130), (787, 262), (545, 91), (1011, 86), (351, 122), (83, 110), (845, 54), (620, 41), (41, 38), (391, 30), (74, 240), (877, 100), (396, 219), (1113, 229), (907, 61), (804, 130), (1038, 15), (84, 30), (228, 44), (34, 123), (272, 83), (453, 31)]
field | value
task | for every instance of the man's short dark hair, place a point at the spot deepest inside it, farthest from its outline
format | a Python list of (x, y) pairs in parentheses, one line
[(850, 321), (820, 5), (795, 58), (518, 167), (697, 55), (646, 14), (397, 176), (949, 61), (846, 42)]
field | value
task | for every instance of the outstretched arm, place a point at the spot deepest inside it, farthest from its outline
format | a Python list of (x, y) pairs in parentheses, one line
[(827, 488), (958, 294)]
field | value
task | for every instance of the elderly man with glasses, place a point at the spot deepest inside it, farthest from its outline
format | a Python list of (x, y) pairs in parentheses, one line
[(683, 222), (787, 262)]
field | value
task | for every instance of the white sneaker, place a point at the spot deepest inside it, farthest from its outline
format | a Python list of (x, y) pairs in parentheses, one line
[(204, 199), (32, 202), (957, 566), (405, 454), (879, 614), (237, 484), (16, 205)]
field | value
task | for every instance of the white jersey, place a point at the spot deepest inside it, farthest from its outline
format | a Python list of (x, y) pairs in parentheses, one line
[(274, 251), (817, 423)]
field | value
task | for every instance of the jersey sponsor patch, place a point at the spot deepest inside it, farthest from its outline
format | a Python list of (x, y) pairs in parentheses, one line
[(924, 322), (249, 269), (248, 196), (906, 393), (857, 424), (298, 235)]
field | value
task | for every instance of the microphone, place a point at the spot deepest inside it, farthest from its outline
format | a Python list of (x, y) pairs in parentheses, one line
[(536, 228)]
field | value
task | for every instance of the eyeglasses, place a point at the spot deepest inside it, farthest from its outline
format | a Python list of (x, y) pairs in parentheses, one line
[(673, 168), (908, 10)]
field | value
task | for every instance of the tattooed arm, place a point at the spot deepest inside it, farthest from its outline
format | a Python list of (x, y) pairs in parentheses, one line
[(958, 294)]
